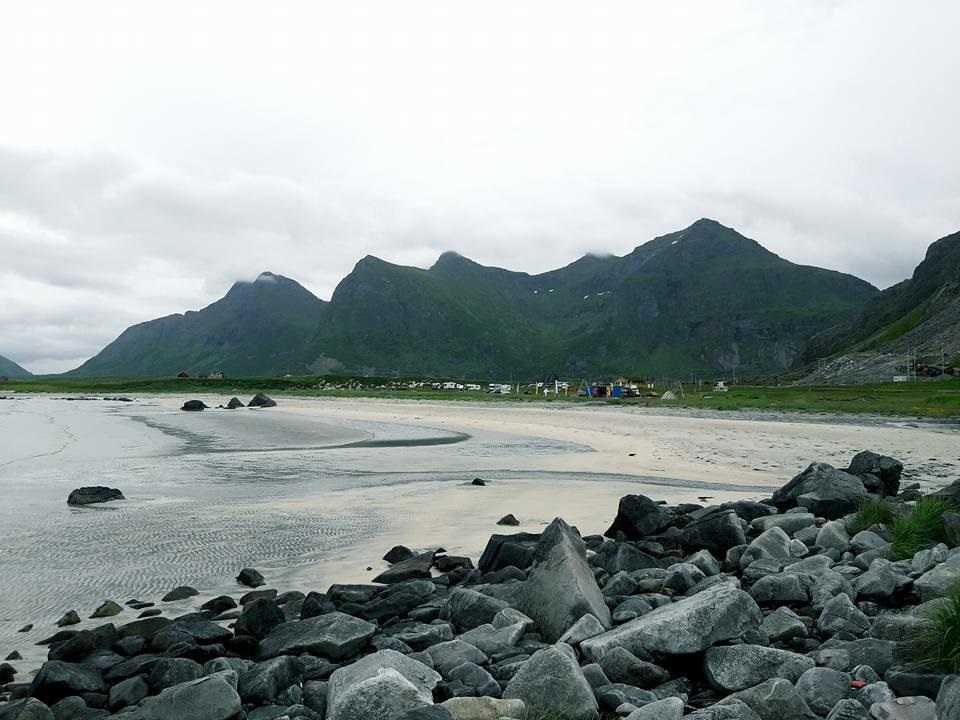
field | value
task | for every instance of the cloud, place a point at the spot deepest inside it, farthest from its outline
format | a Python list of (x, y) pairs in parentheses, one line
[(157, 156)]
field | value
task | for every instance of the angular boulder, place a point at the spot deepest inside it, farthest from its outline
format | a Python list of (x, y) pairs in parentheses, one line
[(886, 469), (551, 682), (717, 532), (690, 625), (823, 490), (637, 517), (560, 588), (57, 679), (209, 698), (738, 667), (261, 401), (366, 679), (335, 636), (774, 699)]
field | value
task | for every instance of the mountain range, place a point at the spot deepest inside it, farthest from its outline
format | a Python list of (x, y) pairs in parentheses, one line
[(705, 299), (9, 369)]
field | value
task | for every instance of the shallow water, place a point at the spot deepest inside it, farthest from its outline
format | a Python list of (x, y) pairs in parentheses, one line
[(208, 493)]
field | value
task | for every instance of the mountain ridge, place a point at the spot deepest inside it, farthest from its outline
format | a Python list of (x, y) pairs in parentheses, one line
[(10, 369)]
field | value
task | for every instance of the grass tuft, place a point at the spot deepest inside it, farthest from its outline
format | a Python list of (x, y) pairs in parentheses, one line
[(919, 528), (873, 511), (937, 645)]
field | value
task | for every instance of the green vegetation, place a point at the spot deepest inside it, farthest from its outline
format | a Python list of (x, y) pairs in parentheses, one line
[(919, 528), (697, 300), (900, 327), (890, 399), (9, 369), (937, 645), (873, 511)]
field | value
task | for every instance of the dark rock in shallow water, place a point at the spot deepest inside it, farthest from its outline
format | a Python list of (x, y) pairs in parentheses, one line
[(637, 517), (262, 401), (508, 519), (94, 494), (108, 609), (180, 593), (398, 553), (15, 655), (234, 403), (219, 604), (69, 618), (26, 628), (250, 578), (480, 482), (194, 405)]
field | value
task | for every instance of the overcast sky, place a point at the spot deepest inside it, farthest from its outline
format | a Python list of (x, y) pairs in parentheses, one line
[(153, 153)]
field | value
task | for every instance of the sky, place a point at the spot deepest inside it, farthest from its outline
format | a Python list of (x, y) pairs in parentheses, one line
[(151, 154)]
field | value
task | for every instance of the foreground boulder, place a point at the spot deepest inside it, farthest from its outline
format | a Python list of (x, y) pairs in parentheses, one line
[(560, 588), (94, 494), (335, 636), (886, 470), (551, 684), (738, 667), (57, 680), (380, 685), (209, 698), (720, 612), (717, 532)]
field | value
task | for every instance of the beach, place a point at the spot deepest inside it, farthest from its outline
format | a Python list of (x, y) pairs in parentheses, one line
[(316, 490)]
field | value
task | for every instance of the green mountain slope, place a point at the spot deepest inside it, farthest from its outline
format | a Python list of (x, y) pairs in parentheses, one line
[(705, 299), (919, 316), (256, 328), (9, 369)]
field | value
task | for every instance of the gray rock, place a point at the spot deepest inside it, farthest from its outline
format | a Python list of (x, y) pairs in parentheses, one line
[(335, 636), (666, 709), (417, 567), (928, 559), (716, 533), (263, 682), (834, 535), (484, 708), (886, 469), (937, 582), (732, 710), (511, 616), (772, 544), (194, 406), (494, 641), (875, 693), (199, 628), (209, 698), (623, 698), (251, 577), (783, 625), (446, 656), (790, 523), (259, 618), (560, 588), (682, 576), (262, 401), (416, 687), (315, 696), (617, 557), (822, 688), (774, 699), (27, 709), (385, 694), (815, 565), (168, 672), (637, 517), (107, 609), (908, 681), (900, 627), (738, 667), (619, 585), (687, 626), (586, 627), (848, 710), (468, 609), (127, 692), (474, 676), (948, 699), (57, 679), (828, 586), (94, 494), (905, 708), (622, 666), (867, 540), (551, 682), (824, 490), (846, 655), (840, 616), (782, 589), (706, 562)]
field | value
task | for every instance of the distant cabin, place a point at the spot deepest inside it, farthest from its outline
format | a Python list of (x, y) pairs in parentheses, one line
[(215, 375), (182, 375)]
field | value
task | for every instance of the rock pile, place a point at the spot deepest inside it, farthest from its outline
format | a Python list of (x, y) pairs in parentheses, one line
[(745, 610)]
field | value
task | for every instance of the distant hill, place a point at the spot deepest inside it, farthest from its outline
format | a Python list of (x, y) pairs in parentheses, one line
[(704, 299), (919, 316), (258, 327), (9, 369)]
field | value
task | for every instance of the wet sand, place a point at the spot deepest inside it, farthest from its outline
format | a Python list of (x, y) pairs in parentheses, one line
[(316, 490)]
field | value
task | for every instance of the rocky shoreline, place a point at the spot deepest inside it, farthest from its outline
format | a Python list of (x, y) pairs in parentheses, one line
[(773, 610)]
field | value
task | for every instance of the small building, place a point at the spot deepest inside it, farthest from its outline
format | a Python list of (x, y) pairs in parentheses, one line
[(182, 375), (215, 375)]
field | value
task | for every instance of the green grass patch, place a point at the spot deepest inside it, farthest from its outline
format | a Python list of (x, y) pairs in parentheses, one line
[(919, 528), (937, 646), (873, 511)]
